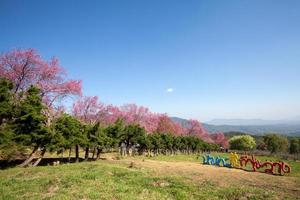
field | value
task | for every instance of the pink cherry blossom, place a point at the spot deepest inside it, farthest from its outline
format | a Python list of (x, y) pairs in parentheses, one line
[(87, 108), (219, 138), (26, 67), (195, 128), (167, 125), (133, 114)]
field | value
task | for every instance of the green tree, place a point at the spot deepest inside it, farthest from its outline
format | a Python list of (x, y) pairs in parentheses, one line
[(73, 133), (6, 103), (99, 140), (115, 132), (156, 142), (168, 141), (132, 135), (8, 148), (242, 142), (177, 145), (29, 125), (294, 146), (145, 144), (276, 143)]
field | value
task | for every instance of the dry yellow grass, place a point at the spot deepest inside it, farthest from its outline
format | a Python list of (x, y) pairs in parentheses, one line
[(220, 176)]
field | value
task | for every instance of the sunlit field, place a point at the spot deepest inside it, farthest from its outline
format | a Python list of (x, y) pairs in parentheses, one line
[(161, 177)]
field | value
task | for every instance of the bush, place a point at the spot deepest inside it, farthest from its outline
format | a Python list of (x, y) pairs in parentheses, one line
[(276, 143), (242, 142), (294, 146)]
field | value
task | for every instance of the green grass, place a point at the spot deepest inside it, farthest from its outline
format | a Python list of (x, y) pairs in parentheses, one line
[(106, 181), (115, 180)]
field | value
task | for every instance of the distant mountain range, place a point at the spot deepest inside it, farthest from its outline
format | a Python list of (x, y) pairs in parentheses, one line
[(247, 122), (253, 126)]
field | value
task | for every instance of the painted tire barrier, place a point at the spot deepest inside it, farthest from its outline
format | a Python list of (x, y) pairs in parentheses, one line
[(218, 161), (234, 161)]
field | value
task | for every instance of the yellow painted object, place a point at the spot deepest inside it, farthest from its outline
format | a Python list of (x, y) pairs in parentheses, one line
[(234, 160)]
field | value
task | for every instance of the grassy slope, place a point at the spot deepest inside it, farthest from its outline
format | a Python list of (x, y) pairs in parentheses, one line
[(176, 177)]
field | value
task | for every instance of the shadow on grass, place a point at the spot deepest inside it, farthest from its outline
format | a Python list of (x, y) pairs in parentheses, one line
[(248, 170), (4, 164)]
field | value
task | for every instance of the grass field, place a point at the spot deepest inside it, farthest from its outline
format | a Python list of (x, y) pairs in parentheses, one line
[(162, 177)]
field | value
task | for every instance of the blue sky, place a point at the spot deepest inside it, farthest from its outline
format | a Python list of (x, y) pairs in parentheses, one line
[(219, 59)]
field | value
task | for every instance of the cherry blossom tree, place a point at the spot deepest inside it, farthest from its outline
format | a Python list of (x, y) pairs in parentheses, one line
[(195, 128), (166, 125), (133, 114), (109, 114), (25, 67), (219, 138), (86, 109)]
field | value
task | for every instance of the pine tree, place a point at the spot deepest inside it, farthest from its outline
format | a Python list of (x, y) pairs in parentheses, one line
[(8, 148), (29, 124), (73, 133)]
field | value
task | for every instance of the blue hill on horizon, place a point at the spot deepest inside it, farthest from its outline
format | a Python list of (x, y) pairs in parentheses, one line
[(289, 128)]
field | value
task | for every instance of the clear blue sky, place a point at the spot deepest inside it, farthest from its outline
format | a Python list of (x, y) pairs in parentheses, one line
[(222, 59)]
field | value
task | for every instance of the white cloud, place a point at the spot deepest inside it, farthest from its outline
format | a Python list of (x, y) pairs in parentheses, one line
[(169, 90)]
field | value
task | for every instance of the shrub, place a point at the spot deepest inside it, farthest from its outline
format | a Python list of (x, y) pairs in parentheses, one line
[(242, 142), (276, 143)]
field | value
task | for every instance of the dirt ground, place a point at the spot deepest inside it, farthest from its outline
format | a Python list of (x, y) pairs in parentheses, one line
[(221, 176)]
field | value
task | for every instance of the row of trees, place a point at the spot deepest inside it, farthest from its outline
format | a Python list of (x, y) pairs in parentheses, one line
[(129, 139), (272, 142), (23, 126), (89, 111), (32, 117)]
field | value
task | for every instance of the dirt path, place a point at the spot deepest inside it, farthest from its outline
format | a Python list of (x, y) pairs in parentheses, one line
[(222, 176)]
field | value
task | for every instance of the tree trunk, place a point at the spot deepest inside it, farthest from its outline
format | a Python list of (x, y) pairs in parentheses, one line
[(94, 153), (70, 153), (40, 158), (129, 151), (87, 151), (29, 159), (98, 153), (123, 150), (77, 153)]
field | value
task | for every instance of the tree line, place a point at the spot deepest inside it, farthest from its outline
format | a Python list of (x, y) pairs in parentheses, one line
[(24, 126), (271, 142)]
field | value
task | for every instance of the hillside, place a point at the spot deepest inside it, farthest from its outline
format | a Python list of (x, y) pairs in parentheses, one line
[(285, 129)]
